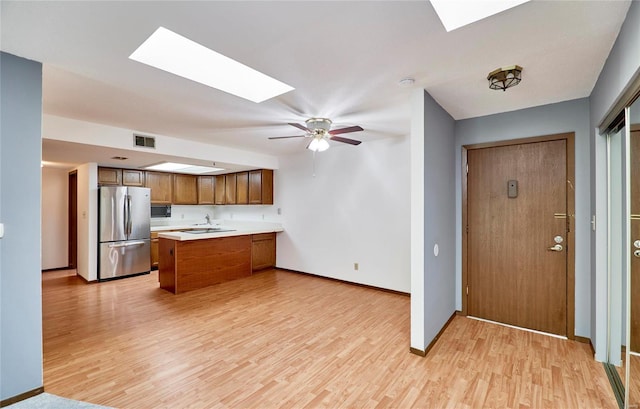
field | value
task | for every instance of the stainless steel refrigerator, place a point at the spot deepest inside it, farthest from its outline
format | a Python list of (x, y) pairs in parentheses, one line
[(124, 232)]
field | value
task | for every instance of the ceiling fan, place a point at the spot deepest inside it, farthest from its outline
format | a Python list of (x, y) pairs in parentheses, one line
[(320, 130)]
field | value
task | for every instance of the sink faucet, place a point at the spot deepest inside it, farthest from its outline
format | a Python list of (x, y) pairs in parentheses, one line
[(208, 218)]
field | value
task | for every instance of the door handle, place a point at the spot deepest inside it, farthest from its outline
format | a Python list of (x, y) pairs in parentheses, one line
[(129, 221), (557, 247), (128, 244)]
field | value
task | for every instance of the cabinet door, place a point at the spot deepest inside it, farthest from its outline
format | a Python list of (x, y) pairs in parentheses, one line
[(132, 177), (263, 251), (230, 188), (219, 187), (109, 177), (261, 186), (267, 186), (185, 189), (161, 185), (205, 189), (242, 188), (154, 250)]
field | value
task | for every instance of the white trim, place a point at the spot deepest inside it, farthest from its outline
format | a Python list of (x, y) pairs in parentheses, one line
[(417, 220)]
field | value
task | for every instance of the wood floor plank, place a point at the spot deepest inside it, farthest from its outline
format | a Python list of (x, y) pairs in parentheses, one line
[(280, 339)]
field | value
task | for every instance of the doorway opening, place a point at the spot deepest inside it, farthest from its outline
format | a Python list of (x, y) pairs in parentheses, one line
[(73, 219)]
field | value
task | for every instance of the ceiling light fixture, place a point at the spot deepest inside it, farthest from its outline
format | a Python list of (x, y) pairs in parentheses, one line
[(318, 144), (178, 55), (182, 168), (503, 78)]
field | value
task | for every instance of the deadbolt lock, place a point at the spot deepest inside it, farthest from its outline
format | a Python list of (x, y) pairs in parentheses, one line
[(559, 239), (636, 244)]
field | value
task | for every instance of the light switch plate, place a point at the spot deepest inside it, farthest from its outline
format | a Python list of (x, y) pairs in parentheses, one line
[(1, 230)]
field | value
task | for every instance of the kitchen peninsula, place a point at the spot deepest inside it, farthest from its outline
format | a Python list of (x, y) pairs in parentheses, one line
[(193, 259)]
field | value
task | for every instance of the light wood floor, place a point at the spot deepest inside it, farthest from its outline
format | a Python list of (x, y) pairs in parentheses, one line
[(280, 339), (634, 376)]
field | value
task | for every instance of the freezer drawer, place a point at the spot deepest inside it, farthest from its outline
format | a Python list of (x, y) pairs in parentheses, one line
[(123, 258)]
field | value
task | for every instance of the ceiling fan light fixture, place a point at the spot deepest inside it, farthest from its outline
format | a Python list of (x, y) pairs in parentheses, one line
[(506, 77), (318, 145), (319, 125)]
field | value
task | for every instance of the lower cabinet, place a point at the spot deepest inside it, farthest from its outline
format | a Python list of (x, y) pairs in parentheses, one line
[(154, 250), (263, 251)]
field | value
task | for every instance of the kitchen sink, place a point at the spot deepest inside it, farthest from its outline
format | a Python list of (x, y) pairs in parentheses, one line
[(209, 230)]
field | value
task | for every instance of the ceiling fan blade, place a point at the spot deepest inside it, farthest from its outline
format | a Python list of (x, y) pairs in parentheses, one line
[(300, 127), (345, 140), (346, 130), (285, 137)]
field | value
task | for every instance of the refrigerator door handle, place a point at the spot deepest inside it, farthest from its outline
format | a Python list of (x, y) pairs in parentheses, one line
[(127, 244), (129, 221)]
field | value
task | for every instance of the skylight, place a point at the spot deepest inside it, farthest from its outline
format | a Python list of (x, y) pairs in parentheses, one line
[(182, 168), (457, 13), (178, 55)]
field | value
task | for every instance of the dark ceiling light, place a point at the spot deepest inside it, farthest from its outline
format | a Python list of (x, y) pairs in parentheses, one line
[(503, 78)]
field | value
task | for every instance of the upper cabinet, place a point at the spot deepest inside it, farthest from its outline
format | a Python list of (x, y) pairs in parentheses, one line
[(219, 186), (230, 188), (109, 176), (261, 186), (161, 185), (242, 188), (185, 189), (206, 186), (132, 177), (253, 187)]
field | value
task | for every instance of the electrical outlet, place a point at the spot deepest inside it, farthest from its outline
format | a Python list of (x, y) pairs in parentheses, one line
[(356, 266)]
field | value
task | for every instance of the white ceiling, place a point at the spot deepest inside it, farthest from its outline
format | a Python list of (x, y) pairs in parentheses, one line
[(344, 59)]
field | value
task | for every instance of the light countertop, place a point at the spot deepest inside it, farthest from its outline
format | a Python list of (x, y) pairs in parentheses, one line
[(228, 229)]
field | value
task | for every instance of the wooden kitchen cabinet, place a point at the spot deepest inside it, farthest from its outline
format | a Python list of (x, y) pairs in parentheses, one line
[(206, 192), (230, 188), (131, 177), (161, 185), (263, 251), (109, 177), (261, 186), (242, 188), (154, 250), (194, 264), (219, 187), (185, 189)]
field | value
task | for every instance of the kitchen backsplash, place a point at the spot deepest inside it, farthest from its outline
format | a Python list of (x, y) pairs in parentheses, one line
[(184, 215), (267, 213)]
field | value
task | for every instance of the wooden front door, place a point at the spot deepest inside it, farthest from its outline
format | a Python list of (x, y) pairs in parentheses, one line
[(516, 212), (635, 235)]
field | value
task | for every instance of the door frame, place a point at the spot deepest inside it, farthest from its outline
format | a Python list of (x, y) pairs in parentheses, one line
[(569, 137), (72, 209)]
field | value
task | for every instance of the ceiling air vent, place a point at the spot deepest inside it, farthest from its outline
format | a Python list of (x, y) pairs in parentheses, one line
[(144, 141)]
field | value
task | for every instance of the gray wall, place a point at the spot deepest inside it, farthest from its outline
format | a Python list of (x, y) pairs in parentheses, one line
[(20, 284), (623, 64), (569, 116), (439, 217)]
